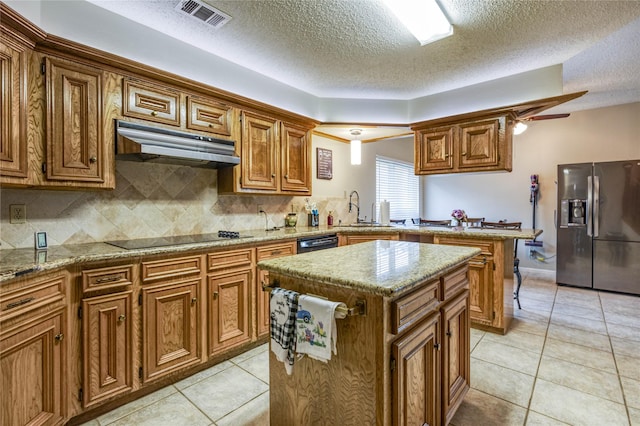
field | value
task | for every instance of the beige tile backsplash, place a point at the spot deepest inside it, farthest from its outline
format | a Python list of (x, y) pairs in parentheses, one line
[(149, 200)]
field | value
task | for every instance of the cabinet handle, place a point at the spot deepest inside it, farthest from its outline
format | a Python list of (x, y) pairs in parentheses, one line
[(93, 160), (210, 125), (194, 300), (464, 153), (215, 295), (484, 260), (122, 317), (19, 303), (436, 346), (108, 279), (448, 333), (59, 337), (286, 176), (154, 113), (273, 175)]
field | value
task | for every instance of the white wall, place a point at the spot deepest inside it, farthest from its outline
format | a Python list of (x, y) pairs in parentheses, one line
[(605, 134)]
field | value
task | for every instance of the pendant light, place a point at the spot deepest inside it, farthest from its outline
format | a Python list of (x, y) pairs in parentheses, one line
[(356, 147), (519, 128)]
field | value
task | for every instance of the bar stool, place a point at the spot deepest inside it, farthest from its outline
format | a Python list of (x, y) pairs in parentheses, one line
[(503, 224), (398, 221)]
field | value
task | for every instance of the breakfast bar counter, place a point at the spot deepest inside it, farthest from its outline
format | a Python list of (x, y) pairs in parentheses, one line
[(403, 353)]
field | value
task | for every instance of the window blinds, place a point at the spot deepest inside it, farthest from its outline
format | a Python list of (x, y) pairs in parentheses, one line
[(397, 183)]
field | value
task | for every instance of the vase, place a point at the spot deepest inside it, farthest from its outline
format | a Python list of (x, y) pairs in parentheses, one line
[(457, 222)]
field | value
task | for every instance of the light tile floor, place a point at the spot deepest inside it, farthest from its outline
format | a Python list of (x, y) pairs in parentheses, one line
[(572, 356)]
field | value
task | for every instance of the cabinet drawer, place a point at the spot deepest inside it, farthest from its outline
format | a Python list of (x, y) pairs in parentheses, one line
[(409, 309), (485, 246), (208, 116), (453, 282), (31, 297), (276, 250), (152, 103), (171, 268), (229, 259), (105, 278)]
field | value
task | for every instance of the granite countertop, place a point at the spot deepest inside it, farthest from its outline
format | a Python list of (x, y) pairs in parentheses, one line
[(15, 262), (386, 268)]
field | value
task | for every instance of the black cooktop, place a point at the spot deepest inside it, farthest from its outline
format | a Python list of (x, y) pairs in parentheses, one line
[(142, 243)]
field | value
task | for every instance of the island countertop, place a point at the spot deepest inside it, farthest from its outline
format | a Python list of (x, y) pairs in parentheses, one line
[(387, 268)]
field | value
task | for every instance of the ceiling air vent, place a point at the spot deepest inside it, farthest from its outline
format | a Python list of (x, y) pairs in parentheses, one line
[(203, 12)]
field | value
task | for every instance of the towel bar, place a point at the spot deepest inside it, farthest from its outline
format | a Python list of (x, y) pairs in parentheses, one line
[(359, 309)]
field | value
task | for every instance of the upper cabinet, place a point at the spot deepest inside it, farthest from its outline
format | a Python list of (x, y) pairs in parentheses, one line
[(150, 102), (275, 158), (479, 145), (74, 140)]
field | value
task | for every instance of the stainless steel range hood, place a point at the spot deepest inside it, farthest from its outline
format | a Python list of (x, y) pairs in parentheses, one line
[(136, 142)]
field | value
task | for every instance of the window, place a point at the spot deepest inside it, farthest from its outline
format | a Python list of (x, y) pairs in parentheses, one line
[(397, 183)]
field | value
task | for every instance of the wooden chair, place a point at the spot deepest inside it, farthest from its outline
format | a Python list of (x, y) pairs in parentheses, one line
[(474, 222), (398, 221), (415, 220), (446, 222), (503, 224)]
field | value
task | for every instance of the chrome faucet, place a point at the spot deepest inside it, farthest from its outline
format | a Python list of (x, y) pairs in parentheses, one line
[(357, 205)]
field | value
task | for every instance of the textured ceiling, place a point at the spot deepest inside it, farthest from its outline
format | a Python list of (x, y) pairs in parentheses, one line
[(357, 49)]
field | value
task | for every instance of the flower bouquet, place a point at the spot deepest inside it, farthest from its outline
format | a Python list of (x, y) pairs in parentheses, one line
[(458, 216)]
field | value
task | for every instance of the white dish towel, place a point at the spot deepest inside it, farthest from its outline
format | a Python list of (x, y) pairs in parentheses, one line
[(316, 327), (283, 307)]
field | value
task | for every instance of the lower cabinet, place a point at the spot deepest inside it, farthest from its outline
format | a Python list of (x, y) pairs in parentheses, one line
[(348, 239), (107, 345), (456, 365), (270, 251), (415, 369), (33, 353), (170, 328)]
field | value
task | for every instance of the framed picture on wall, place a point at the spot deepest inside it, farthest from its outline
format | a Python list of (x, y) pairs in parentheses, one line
[(324, 160)]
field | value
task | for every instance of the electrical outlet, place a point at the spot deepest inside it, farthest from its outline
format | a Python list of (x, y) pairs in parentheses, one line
[(260, 208), (18, 213)]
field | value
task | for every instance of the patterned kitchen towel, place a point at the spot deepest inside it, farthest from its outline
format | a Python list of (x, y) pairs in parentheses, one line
[(316, 327), (283, 309)]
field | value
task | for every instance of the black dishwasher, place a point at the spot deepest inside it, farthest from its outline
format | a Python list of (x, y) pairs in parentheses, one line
[(318, 242)]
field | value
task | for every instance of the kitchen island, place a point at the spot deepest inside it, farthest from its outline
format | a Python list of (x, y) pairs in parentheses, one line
[(403, 354)]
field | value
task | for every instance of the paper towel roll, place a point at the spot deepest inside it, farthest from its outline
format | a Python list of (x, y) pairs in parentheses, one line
[(384, 212)]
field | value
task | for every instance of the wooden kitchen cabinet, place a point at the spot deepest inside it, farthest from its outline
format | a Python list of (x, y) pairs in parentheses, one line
[(107, 324), (171, 320), (269, 251), (415, 369), (33, 351), (13, 108), (480, 145), (75, 139), (150, 102), (295, 174), (229, 287), (490, 282), (348, 239), (275, 158), (456, 362), (207, 115)]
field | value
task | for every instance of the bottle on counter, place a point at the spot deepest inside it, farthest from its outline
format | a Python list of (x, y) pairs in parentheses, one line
[(330, 219)]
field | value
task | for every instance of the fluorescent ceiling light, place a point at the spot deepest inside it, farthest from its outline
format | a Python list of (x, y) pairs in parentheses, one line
[(423, 18)]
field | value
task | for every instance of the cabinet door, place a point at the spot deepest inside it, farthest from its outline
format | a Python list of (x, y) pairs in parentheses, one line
[(170, 328), (433, 149), (13, 114), (455, 354), (355, 239), (209, 116), (296, 159), (107, 327), (479, 144), (229, 306), (32, 358), (150, 102), (270, 251), (259, 152), (74, 122), (481, 289), (416, 375)]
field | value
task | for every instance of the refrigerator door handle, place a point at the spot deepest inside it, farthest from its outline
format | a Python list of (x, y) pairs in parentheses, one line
[(589, 208), (596, 205)]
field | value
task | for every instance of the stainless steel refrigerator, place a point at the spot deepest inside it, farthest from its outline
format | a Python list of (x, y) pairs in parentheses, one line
[(598, 226)]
